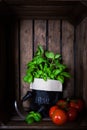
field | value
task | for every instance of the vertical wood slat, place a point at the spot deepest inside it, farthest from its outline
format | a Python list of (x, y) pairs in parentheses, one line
[(39, 33), (68, 55), (54, 36), (25, 53), (85, 61), (16, 60), (81, 63), (2, 61), (11, 41)]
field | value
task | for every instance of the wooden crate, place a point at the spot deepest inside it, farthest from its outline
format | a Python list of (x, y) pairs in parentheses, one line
[(19, 38)]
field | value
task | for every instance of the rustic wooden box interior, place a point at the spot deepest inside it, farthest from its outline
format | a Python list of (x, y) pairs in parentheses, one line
[(60, 27)]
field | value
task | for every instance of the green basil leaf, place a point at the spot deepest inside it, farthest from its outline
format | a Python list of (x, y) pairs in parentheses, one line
[(48, 71), (49, 54), (41, 66), (25, 78), (57, 56), (52, 76), (29, 115), (36, 75), (45, 68), (30, 78), (29, 120), (61, 79), (56, 72), (37, 117), (66, 74), (40, 60), (31, 63), (41, 49), (61, 66), (45, 78), (40, 72), (30, 69)]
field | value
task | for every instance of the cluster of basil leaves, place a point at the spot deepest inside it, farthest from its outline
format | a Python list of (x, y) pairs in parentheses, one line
[(46, 65)]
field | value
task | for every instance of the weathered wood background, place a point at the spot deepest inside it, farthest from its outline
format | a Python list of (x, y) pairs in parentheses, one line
[(47, 33), (81, 59), (59, 36)]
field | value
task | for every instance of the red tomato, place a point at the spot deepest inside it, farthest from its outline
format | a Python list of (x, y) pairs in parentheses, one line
[(51, 111), (59, 117), (78, 104), (62, 104), (72, 114)]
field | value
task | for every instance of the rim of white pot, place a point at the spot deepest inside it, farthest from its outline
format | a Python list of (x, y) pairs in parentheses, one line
[(49, 85)]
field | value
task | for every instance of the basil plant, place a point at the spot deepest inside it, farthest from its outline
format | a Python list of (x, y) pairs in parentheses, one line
[(46, 65)]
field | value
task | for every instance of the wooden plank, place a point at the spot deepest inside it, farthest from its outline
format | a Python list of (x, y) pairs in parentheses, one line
[(2, 61), (25, 52), (68, 56), (81, 62), (2, 72), (85, 60), (54, 35), (47, 9), (46, 124), (16, 60), (39, 33), (11, 27)]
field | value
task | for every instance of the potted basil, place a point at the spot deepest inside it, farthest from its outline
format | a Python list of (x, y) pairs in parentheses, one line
[(45, 73)]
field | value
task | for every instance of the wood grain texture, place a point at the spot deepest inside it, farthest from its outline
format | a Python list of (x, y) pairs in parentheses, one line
[(68, 55), (85, 61), (46, 124), (39, 30), (45, 9), (39, 33), (81, 63), (54, 35), (25, 51)]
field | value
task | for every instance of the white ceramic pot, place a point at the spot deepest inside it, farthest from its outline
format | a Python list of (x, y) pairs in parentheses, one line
[(49, 85)]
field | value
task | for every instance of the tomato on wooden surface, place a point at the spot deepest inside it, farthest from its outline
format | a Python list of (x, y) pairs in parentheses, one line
[(51, 110), (78, 104), (62, 103), (72, 114), (59, 117)]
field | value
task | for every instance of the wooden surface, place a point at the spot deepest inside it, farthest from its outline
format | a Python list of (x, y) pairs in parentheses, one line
[(81, 60), (2, 69), (53, 35), (39, 33), (39, 9), (3, 60), (46, 124), (18, 42), (68, 55), (25, 52), (16, 59)]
